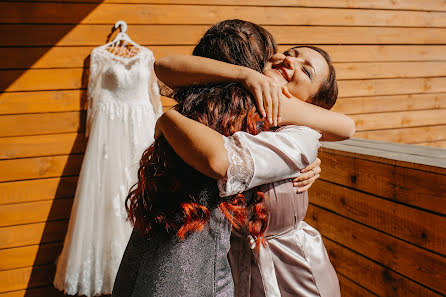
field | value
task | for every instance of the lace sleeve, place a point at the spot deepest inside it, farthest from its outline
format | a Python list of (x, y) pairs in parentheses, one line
[(267, 157), (92, 84), (241, 168), (154, 89)]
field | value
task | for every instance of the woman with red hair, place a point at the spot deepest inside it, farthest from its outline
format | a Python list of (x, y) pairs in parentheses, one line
[(181, 232), (288, 255)]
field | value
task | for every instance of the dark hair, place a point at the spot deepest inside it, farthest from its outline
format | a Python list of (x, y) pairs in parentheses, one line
[(169, 193), (237, 42), (328, 92)]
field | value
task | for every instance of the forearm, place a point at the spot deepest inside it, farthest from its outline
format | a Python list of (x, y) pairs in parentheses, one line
[(332, 125), (180, 71), (287, 150), (198, 145)]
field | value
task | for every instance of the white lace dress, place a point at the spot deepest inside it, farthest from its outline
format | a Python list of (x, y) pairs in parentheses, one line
[(123, 107)]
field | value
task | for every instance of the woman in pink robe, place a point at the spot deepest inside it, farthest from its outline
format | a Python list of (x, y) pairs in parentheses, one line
[(292, 261)]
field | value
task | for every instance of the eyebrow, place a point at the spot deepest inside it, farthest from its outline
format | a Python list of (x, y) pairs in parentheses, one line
[(296, 51)]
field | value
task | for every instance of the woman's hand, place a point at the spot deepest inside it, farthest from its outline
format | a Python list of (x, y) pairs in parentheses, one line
[(309, 175), (267, 93)]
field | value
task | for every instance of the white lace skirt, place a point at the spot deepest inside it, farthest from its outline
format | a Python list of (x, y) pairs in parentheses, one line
[(98, 231)]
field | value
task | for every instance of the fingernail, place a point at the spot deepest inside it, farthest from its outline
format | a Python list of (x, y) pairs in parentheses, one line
[(279, 119), (275, 123), (263, 114), (299, 190), (270, 120)]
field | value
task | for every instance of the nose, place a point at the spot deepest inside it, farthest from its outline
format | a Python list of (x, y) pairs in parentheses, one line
[(291, 62), (288, 62)]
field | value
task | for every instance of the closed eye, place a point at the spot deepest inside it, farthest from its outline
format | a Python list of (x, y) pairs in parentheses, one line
[(307, 72), (291, 53)]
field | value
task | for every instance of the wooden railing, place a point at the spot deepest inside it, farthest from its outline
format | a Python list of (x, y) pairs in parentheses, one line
[(381, 208)]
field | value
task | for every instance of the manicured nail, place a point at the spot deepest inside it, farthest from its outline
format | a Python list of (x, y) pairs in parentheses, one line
[(263, 114), (279, 119), (270, 120)]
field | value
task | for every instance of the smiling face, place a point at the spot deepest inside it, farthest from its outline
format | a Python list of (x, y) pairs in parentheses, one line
[(302, 70)]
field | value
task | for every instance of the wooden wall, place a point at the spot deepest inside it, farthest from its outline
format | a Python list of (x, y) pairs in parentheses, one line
[(381, 209), (390, 56)]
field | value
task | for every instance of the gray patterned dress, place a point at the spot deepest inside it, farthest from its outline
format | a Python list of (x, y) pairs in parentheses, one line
[(161, 265)]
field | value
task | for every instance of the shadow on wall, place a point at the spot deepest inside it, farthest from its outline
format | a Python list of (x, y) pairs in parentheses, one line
[(28, 33), (51, 243)]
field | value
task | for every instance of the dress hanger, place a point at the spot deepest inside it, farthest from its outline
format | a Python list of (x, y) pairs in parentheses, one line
[(120, 44)]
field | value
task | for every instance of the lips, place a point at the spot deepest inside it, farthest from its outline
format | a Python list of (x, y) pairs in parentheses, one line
[(284, 73), (280, 73)]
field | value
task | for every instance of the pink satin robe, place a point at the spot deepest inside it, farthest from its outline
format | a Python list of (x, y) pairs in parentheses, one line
[(294, 261)]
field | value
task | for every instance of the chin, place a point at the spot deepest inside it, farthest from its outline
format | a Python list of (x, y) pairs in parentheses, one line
[(271, 73)]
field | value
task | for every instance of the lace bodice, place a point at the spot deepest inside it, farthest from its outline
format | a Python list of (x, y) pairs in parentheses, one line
[(118, 83), (118, 78)]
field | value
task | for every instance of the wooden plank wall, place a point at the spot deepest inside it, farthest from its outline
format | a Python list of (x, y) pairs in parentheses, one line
[(391, 62), (382, 218)]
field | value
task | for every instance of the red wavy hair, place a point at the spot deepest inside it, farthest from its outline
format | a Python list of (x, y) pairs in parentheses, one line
[(169, 193)]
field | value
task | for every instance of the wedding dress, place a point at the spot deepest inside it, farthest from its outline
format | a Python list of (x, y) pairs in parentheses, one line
[(123, 107)]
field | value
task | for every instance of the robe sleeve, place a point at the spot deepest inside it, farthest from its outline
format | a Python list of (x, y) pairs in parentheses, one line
[(267, 157)]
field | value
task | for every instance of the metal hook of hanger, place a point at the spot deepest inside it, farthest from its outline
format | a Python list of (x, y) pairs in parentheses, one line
[(122, 25)]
